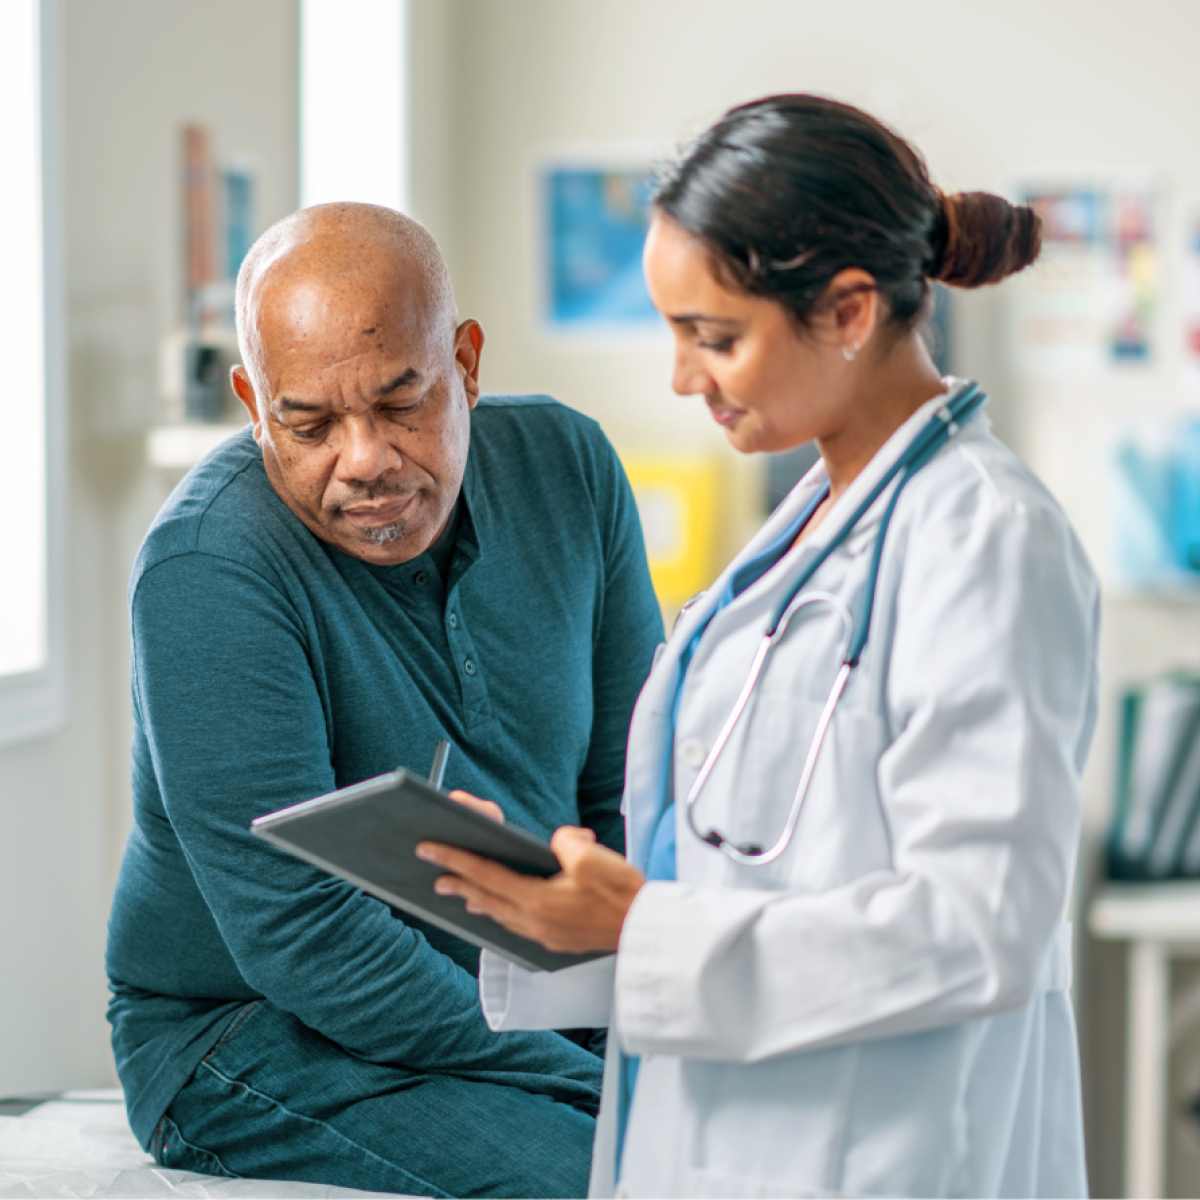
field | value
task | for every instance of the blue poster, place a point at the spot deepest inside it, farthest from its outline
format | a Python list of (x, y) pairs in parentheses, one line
[(597, 219)]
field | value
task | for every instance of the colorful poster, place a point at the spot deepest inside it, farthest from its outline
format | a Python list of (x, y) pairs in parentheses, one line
[(1092, 301), (595, 224)]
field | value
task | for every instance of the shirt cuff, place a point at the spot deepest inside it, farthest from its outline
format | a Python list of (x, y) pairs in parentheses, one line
[(577, 997)]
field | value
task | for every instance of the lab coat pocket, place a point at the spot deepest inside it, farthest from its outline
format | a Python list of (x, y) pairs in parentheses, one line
[(705, 1184)]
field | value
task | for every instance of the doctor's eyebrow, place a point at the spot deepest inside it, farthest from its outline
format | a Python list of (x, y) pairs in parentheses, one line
[(696, 318)]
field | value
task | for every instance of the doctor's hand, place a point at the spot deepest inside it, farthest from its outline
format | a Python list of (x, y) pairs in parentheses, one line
[(582, 908)]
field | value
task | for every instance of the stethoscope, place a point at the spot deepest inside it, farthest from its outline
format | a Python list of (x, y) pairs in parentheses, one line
[(942, 426)]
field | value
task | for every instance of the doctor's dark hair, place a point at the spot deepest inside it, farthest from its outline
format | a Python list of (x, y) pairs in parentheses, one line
[(787, 191)]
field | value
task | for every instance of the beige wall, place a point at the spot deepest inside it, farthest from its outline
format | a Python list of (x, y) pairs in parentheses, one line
[(134, 71)]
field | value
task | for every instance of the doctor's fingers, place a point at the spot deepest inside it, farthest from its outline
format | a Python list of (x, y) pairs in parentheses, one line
[(489, 808), (570, 843), (594, 868), (472, 868), (489, 889)]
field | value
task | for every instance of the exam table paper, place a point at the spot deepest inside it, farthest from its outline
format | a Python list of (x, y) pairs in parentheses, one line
[(82, 1146)]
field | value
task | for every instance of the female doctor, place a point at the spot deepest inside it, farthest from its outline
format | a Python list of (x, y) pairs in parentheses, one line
[(836, 955)]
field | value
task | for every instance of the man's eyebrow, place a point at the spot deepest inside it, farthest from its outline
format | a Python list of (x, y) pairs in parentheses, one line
[(407, 379), (287, 405), (404, 380)]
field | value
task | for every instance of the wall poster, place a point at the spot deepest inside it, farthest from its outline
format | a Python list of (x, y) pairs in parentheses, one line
[(1092, 301), (1190, 278), (593, 224)]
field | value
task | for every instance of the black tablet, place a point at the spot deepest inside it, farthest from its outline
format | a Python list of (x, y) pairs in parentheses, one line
[(368, 835)]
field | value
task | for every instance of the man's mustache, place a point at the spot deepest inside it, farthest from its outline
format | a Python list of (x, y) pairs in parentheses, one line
[(381, 489)]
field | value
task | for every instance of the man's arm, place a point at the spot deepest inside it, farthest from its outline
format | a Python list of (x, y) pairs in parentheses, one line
[(629, 627), (236, 729)]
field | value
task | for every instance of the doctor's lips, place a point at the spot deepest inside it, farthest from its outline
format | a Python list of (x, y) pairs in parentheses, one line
[(723, 413)]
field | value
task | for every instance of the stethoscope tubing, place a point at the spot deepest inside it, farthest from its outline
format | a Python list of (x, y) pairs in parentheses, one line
[(943, 425)]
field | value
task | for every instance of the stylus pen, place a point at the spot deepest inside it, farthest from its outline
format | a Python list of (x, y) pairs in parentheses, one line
[(438, 771)]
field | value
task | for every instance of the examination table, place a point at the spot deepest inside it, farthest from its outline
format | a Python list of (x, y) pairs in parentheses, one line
[(80, 1144)]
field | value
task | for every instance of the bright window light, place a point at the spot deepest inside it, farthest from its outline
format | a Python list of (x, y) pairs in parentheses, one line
[(32, 668), (23, 615), (352, 102)]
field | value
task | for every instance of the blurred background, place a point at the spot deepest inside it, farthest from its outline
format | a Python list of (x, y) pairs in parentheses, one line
[(168, 133)]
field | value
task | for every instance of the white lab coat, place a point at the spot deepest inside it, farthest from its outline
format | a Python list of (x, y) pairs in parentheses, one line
[(884, 1009)]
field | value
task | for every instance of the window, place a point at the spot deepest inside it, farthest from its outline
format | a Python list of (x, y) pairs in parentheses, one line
[(352, 101), (32, 691)]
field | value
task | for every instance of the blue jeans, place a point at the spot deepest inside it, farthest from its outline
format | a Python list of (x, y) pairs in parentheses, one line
[(275, 1100)]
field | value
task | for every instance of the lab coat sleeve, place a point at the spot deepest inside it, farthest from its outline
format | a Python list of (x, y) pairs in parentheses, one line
[(991, 696), (573, 998)]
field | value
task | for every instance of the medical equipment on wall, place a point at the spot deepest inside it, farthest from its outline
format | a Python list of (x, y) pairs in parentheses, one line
[(942, 426)]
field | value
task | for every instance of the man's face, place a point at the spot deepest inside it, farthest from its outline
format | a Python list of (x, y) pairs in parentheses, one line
[(365, 421)]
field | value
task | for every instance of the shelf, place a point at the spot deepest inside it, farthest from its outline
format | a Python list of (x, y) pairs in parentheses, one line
[(1160, 912), (1181, 594), (180, 447)]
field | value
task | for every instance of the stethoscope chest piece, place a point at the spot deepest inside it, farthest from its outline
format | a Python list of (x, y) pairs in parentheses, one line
[(751, 854)]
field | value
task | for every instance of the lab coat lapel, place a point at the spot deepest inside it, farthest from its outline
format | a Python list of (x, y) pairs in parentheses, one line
[(848, 502), (650, 740)]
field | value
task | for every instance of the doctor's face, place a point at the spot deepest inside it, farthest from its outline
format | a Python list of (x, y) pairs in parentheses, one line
[(769, 384)]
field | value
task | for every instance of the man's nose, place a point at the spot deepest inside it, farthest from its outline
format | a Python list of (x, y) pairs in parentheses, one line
[(364, 454), (688, 376)]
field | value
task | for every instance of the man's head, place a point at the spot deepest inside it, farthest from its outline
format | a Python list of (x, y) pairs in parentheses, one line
[(358, 377)]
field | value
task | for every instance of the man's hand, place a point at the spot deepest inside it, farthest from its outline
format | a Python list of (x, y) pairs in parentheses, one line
[(580, 909)]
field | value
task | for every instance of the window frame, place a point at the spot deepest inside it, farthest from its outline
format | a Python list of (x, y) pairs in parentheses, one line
[(34, 703)]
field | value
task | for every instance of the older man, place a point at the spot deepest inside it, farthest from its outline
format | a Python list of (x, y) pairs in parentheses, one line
[(385, 559)]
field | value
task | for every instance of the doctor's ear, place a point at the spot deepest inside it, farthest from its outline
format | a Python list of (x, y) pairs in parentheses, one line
[(852, 305)]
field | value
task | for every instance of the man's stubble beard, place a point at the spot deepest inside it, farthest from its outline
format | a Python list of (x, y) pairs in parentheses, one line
[(379, 535), (383, 535)]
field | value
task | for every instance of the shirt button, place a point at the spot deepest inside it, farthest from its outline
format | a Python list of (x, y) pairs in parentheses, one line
[(469, 666), (420, 578), (692, 753), (454, 620)]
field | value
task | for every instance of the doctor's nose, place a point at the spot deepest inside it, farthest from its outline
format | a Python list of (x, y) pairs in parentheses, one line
[(688, 376)]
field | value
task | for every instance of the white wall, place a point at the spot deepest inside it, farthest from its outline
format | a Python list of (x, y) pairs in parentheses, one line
[(990, 91), (134, 71)]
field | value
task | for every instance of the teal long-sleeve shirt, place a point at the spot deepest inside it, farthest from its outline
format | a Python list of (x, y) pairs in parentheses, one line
[(269, 667)]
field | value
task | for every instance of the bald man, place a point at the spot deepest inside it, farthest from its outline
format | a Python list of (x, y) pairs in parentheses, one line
[(385, 558)]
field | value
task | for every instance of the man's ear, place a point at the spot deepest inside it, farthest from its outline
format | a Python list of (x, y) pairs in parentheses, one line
[(468, 347), (244, 390)]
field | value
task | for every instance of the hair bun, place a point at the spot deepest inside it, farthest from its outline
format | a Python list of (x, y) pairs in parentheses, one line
[(980, 238)]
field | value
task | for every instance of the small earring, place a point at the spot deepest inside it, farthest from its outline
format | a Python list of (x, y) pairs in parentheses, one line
[(849, 354)]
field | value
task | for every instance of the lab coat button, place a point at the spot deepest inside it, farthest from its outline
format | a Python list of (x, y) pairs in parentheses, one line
[(692, 752), (469, 666)]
